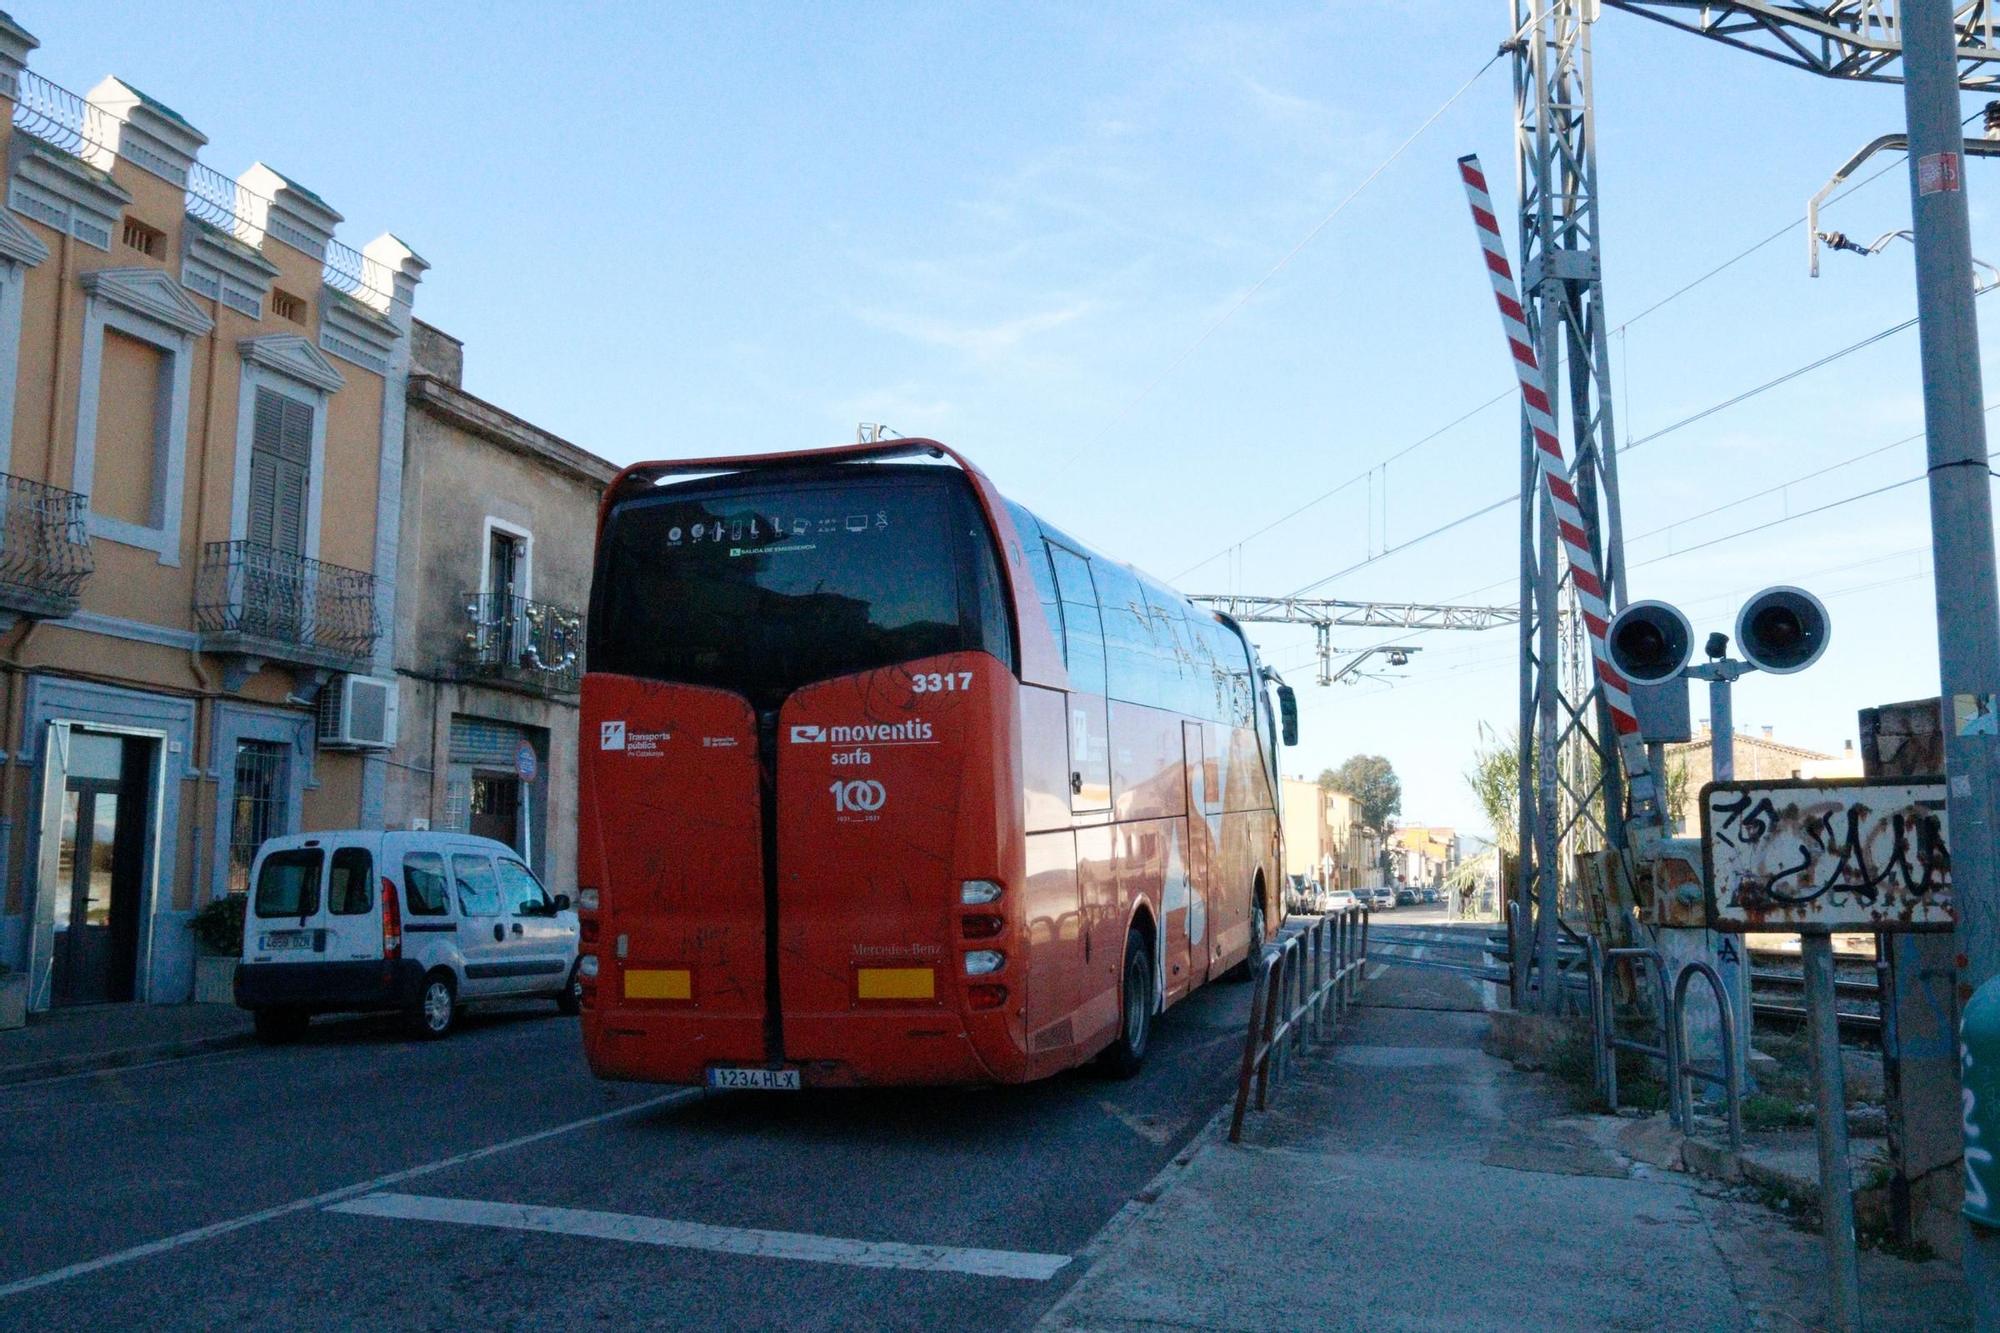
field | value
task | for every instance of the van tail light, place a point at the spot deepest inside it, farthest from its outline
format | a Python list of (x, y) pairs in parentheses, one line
[(392, 921), (986, 996)]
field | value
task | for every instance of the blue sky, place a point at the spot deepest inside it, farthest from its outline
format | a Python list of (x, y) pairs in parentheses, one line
[(697, 229)]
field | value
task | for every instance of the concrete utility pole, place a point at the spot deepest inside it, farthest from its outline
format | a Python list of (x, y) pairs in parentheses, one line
[(1961, 527)]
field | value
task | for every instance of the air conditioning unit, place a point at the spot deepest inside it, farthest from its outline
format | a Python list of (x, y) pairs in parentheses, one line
[(358, 713)]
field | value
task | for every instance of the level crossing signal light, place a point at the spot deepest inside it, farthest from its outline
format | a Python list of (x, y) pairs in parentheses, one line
[(1782, 630), (1650, 641)]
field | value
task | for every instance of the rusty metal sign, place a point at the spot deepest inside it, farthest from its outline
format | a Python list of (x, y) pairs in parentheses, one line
[(1826, 854)]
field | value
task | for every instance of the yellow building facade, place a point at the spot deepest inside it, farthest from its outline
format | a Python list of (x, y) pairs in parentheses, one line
[(1325, 840), (201, 422)]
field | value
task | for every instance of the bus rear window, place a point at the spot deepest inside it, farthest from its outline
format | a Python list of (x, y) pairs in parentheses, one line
[(288, 883), (762, 585)]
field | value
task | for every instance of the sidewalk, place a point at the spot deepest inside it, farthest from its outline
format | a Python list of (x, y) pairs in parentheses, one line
[(109, 1036), (1404, 1179)]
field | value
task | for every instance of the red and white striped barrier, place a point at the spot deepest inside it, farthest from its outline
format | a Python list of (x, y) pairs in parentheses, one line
[(1555, 473)]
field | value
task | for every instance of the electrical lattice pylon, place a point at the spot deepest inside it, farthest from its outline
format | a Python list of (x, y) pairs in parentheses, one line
[(1571, 779), (1561, 508)]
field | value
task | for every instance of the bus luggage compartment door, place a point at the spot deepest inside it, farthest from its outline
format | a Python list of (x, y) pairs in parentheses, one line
[(670, 834), (890, 792)]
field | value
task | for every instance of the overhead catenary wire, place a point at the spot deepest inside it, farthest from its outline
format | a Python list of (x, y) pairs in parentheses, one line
[(1510, 391), (1732, 401), (1250, 294)]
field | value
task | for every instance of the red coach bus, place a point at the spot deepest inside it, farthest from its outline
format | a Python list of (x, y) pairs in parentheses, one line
[(883, 781)]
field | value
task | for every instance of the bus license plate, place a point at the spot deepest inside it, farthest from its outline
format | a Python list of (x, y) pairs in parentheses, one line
[(761, 1080)]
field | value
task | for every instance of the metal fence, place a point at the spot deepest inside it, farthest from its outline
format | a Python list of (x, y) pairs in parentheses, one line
[(44, 547), (533, 643), (257, 592), (1302, 985)]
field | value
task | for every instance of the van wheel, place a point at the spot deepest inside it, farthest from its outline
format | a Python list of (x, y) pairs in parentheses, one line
[(569, 1000), (280, 1025), (1247, 969), (437, 1007), (1125, 1056)]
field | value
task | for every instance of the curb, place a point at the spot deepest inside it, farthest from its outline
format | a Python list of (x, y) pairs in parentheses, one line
[(122, 1057)]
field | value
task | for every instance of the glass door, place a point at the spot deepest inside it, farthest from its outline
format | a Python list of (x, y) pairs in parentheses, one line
[(96, 893)]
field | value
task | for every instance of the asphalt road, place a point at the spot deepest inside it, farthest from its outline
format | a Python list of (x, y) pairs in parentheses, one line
[(363, 1178)]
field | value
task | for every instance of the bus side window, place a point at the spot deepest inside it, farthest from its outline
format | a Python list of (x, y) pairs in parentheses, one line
[(1083, 632), (1171, 634), (1132, 660), (1036, 553), (1083, 638)]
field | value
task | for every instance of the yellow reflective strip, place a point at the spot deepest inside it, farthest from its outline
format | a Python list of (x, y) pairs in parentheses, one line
[(668, 984), (896, 983)]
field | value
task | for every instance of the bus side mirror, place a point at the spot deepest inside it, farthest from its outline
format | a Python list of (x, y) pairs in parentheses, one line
[(1288, 714)]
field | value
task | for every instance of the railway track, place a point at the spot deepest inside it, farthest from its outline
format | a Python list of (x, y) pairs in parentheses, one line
[(1777, 992)]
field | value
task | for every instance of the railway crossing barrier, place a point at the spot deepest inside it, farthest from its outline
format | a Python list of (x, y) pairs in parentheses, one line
[(1301, 986)]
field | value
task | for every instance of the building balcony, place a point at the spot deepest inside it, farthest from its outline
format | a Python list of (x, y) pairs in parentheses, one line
[(258, 604), (533, 645), (44, 549)]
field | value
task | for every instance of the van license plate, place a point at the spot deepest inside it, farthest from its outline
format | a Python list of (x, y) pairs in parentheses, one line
[(761, 1080), (288, 939)]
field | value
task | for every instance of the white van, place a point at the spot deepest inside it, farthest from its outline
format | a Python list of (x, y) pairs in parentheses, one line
[(415, 922)]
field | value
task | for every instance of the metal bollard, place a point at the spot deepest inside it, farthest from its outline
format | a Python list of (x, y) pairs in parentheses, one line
[(1732, 1076)]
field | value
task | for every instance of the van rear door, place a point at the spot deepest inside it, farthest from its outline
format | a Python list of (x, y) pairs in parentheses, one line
[(353, 915), (287, 917)]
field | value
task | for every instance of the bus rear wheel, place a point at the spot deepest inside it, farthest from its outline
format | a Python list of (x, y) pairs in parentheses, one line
[(1127, 1055)]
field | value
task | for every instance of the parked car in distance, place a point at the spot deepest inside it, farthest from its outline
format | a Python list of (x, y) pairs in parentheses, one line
[(1381, 899), (1339, 900), (1407, 897), (417, 923), (1431, 896)]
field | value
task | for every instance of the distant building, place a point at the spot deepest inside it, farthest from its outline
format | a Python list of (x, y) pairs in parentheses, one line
[(201, 396), (1424, 854), (499, 525), (1325, 840), (1757, 754)]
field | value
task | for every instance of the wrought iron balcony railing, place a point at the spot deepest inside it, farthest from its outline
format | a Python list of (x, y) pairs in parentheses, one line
[(537, 644), (57, 116), (44, 548), (258, 601)]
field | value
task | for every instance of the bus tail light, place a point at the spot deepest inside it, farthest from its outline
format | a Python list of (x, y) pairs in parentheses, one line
[(978, 892), (586, 900), (986, 996), (983, 962), (392, 921), (981, 926), (586, 969), (589, 931)]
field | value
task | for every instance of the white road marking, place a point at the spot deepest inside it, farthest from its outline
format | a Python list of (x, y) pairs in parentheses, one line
[(1149, 1130), (700, 1236), (214, 1229)]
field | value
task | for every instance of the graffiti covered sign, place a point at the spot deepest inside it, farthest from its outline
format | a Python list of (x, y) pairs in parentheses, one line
[(1826, 854)]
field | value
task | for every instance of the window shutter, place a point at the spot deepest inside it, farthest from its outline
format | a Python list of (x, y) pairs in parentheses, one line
[(270, 419), (262, 526), (290, 518), (296, 435), (280, 472)]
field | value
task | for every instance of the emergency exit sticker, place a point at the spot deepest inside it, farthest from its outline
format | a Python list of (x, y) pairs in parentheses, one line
[(1938, 173)]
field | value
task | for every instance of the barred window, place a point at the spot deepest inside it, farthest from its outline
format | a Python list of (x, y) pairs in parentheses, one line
[(259, 811)]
